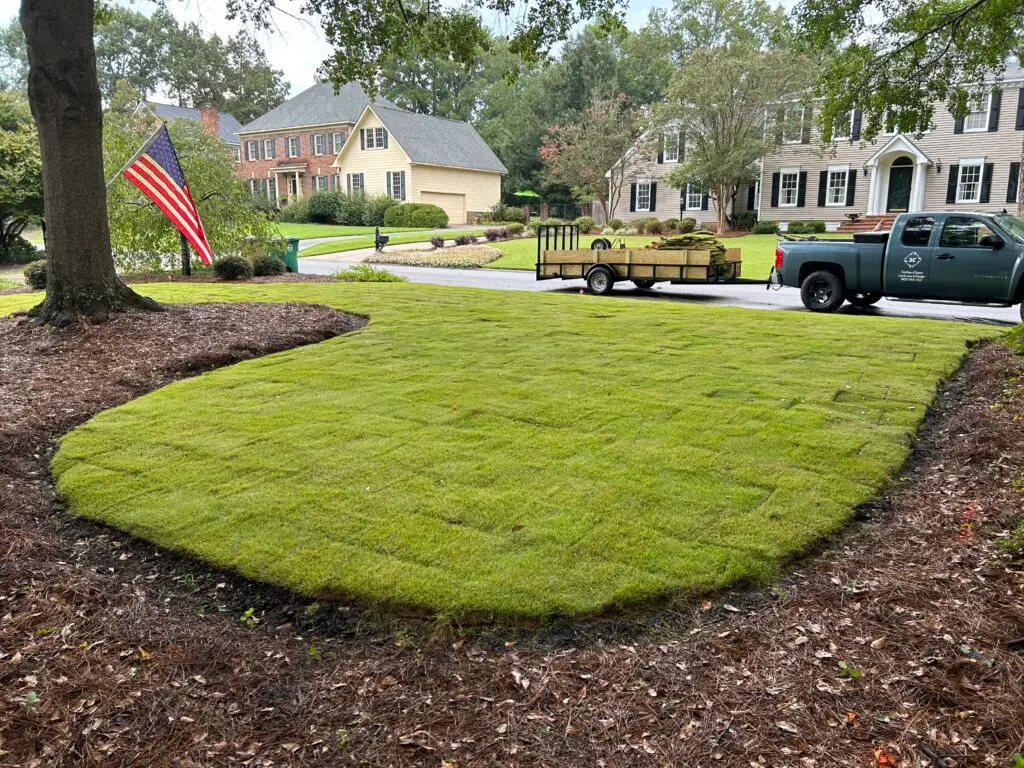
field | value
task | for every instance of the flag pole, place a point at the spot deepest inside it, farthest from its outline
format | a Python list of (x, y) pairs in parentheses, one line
[(135, 157)]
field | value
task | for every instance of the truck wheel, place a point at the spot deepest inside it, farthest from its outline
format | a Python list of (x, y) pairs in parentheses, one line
[(645, 284), (822, 291), (863, 299), (600, 281)]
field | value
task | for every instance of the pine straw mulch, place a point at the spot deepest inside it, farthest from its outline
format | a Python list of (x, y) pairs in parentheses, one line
[(201, 276), (890, 650)]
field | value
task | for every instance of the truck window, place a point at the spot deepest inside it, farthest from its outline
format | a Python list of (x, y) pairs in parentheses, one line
[(918, 231), (962, 232)]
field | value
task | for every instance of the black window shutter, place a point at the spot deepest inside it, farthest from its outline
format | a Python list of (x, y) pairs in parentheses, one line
[(775, 189), (993, 113), (750, 197), (362, 183), (954, 173), (1011, 185), (402, 183), (801, 192), (986, 184), (858, 118), (822, 186), (387, 184), (348, 183), (805, 126), (362, 138), (704, 202), (632, 198), (958, 126), (654, 197), (851, 186), (1020, 110)]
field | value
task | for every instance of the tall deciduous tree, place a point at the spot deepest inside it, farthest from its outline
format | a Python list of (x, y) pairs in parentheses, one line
[(579, 153), (21, 186), (895, 59), (719, 102)]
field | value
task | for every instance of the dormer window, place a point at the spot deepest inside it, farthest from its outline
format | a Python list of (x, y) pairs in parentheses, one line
[(373, 138)]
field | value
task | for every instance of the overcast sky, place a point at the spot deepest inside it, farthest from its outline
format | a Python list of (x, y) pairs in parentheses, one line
[(295, 47)]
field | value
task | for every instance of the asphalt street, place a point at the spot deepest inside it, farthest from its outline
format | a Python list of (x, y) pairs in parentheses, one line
[(751, 296)]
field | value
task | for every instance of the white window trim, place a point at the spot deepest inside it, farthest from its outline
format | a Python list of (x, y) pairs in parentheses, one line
[(648, 185), (783, 172), (337, 141), (370, 137), (828, 185), (785, 121), (664, 156), (988, 116), (979, 162), (849, 130), (288, 146), (249, 147), (700, 199)]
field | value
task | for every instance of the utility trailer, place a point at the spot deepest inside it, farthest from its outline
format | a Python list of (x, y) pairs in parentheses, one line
[(605, 262)]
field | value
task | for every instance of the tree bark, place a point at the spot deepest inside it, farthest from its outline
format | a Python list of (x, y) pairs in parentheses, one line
[(65, 99)]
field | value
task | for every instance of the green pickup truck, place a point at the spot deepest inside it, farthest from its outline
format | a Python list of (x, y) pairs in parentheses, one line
[(975, 258)]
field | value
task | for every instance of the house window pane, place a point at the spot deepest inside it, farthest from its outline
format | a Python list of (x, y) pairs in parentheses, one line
[(694, 198), (793, 124), (835, 193), (396, 185), (320, 144), (968, 188), (788, 188), (671, 153), (843, 127), (236, 155), (643, 196), (977, 118), (337, 139)]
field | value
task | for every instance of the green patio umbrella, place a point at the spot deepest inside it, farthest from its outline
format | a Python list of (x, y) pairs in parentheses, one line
[(526, 193)]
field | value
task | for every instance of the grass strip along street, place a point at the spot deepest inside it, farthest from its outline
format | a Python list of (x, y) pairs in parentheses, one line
[(357, 243), (310, 231), (480, 453)]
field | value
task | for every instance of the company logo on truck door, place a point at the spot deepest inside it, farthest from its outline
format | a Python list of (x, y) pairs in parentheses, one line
[(912, 274), (912, 259)]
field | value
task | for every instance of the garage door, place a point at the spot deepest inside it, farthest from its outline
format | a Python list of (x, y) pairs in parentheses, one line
[(453, 205)]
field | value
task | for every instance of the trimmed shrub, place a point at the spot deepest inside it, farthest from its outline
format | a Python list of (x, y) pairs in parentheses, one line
[(797, 228), (616, 224), (20, 252), (35, 275), (654, 227), (586, 224), (415, 215), (375, 209), (266, 265), (496, 233), (232, 267), (817, 226), (641, 225), (743, 220), (686, 225), (671, 226), (364, 273), (437, 241), (296, 212), (766, 227), (515, 229), (324, 207), (350, 210), (465, 240), (502, 212)]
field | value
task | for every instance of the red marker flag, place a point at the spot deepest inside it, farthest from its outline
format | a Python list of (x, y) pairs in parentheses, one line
[(157, 172)]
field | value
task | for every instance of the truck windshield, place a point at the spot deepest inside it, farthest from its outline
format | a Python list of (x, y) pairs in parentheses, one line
[(1012, 224)]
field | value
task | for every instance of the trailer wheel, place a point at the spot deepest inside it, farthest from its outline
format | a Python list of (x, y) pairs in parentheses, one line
[(600, 281), (645, 284), (822, 291), (863, 299), (601, 244)]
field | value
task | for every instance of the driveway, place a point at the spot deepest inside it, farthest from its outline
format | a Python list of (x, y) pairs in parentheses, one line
[(751, 296)]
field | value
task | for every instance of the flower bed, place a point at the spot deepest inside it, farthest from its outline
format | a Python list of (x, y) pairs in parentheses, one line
[(459, 257)]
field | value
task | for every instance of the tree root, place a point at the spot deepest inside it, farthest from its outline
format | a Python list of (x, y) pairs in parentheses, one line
[(64, 309)]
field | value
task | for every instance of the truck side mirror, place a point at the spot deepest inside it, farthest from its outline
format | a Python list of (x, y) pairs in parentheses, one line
[(995, 242)]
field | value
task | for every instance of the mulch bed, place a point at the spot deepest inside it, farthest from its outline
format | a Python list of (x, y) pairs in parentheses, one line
[(204, 277), (890, 650)]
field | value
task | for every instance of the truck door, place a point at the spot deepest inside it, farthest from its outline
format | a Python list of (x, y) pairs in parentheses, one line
[(908, 259), (964, 268)]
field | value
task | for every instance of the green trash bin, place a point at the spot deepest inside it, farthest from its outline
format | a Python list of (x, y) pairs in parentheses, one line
[(291, 254)]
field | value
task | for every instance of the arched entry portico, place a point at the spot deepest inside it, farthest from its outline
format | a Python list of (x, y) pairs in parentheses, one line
[(899, 172)]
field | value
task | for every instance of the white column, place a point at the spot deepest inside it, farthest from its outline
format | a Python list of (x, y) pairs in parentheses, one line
[(917, 190), (298, 186), (873, 191)]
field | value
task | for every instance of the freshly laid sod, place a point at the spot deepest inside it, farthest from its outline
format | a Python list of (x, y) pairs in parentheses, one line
[(330, 230), (515, 454), (758, 251), (356, 243)]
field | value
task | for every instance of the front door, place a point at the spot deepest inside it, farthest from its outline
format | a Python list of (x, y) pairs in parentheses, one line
[(966, 270), (900, 179), (293, 187)]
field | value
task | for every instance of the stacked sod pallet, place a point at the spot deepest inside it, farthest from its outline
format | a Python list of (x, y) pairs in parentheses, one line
[(705, 250)]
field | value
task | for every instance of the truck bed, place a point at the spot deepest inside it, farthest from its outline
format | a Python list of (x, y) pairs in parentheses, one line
[(862, 261)]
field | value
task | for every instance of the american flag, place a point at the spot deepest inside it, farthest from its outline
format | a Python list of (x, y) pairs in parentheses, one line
[(158, 174)]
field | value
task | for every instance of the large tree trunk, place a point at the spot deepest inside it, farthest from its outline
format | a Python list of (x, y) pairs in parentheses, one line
[(65, 98)]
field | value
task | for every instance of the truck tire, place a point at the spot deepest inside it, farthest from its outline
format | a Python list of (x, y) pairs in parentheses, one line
[(644, 284), (822, 291), (600, 281), (1022, 313), (863, 299)]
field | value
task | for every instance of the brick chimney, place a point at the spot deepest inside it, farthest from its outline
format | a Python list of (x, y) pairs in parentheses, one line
[(210, 118)]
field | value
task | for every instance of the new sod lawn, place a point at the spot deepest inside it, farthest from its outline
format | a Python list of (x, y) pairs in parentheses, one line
[(330, 230), (355, 243), (516, 454), (758, 251)]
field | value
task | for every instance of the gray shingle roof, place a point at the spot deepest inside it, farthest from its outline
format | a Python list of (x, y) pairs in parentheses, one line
[(317, 105), (437, 141), (229, 126)]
